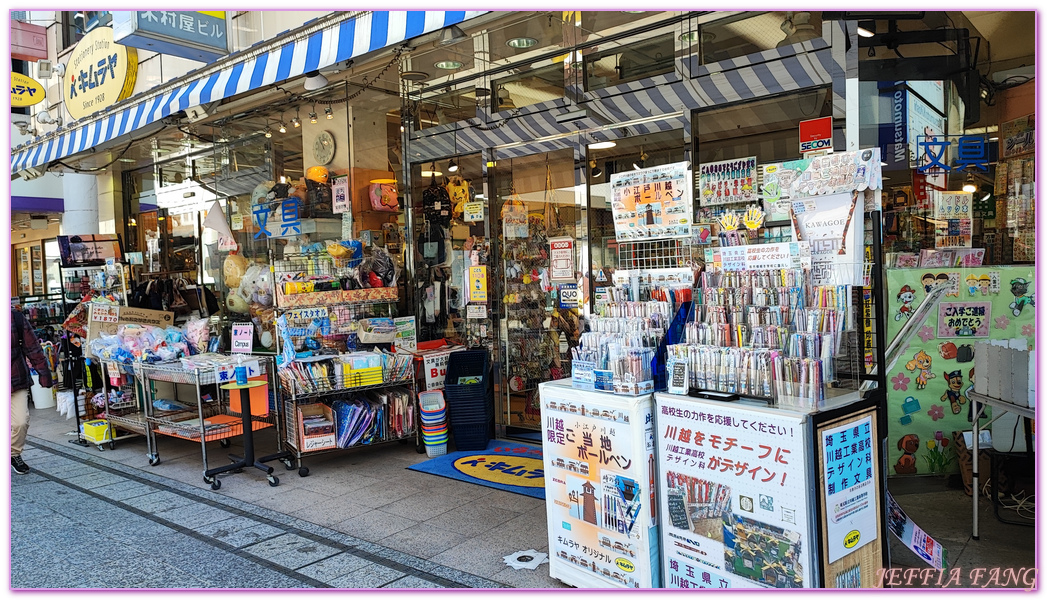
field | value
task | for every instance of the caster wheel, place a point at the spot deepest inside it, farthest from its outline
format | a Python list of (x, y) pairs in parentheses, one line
[(273, 480), (154, 460), (100, 448), (112, 445), (288, 464), (223, 443), (216, 485), (303, 472), (419, 449)]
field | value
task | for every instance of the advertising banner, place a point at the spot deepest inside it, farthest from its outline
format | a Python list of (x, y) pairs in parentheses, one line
[(652, 203), (599, 488), (832, 225), (732, 484)]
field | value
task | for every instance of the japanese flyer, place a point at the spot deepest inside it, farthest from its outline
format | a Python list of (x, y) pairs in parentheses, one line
[(850, 488), (733, 488), (654, 203), (599, 485)]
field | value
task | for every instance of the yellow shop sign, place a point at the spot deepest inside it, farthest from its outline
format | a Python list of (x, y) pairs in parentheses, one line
[(624, 564), (25, 91), (503, 469), (99, 73), (852, 539)]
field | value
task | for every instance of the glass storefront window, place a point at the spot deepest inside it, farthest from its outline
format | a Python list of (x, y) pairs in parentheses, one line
[(629, 62), (750, 32), (536, 84), (448, 107)]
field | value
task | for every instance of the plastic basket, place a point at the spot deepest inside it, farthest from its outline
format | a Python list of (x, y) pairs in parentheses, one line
[(471, 437), (433, 451)]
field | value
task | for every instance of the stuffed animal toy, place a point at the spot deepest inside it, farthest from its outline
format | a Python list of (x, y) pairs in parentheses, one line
[(235, 303), (260, 191), (264, 319), (233, 269)]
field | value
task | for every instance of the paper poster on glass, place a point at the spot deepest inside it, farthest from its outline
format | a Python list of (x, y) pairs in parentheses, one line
[(652, 203), (850, 489), (733, 489), (727, 182), (833, 226)]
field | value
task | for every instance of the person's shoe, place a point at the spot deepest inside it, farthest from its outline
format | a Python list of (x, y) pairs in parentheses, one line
[(18, 465)]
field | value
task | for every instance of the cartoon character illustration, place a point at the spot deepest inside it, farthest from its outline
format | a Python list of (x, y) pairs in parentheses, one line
[(908, 444), (928, 282), (983, 284), (972, 284), (943, 279), (1020, 289), (952, 394), (906, 296), (921, 362)]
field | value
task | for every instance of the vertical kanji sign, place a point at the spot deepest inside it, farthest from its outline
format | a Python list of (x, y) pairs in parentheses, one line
[(849, 470)]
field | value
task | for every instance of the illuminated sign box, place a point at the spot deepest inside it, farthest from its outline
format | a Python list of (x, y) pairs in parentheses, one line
[(196, 35)]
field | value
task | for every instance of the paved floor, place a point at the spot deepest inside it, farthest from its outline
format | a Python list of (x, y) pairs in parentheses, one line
[(359, 520)]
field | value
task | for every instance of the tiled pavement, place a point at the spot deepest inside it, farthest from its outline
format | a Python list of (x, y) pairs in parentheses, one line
[(359, 520)]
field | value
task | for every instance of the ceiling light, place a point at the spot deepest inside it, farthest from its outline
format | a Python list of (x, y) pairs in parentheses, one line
[(522, 42), (296, 122), (690, 37), (994, 139), (414, 75), (634, 12), (401, 129), (452, 166), (314, 80), (327, 111), (283, 128), (969, 185), (594, 170), (867, 29), (268, 132), (643, 159), (602, 145), (312, 117), (127, 160), (452, 35), (449, 65), (385, 180), (432, 174), (986, 197)]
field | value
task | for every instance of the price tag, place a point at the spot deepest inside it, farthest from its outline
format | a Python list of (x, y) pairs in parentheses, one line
[(101, 313), (242, 337)]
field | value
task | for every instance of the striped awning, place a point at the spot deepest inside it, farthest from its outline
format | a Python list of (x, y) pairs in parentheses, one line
[(338, 42)]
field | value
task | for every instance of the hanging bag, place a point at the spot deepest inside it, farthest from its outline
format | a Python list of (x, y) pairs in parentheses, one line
[(383, 197)]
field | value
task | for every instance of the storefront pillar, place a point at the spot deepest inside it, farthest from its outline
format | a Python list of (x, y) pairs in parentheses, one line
[(81, 204)]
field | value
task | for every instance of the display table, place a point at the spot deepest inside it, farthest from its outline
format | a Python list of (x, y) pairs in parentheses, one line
[(1001, 406), (756, 496), (599, 487), (249, 399)]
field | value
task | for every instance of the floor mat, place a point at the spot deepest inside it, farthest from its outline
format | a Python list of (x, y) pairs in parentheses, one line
[(503, 465)]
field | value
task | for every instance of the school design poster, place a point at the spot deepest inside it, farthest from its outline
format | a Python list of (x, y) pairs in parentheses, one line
[(928, 388), (652, 203), (732, 489), (599, 469), (850, 487)]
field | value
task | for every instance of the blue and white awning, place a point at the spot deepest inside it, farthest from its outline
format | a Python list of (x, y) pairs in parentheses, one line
[(341, 41)]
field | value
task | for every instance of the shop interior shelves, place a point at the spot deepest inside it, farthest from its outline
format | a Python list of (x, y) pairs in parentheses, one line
[(291, 389), (176, 372)]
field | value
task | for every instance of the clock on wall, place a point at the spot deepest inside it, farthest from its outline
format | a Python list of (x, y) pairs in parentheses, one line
[(323, 148)]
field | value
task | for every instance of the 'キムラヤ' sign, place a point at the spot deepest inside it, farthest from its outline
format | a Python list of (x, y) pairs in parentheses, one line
[(99, 73)]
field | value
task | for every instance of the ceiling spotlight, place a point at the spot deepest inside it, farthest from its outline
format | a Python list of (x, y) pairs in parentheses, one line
[(452, 35), (866, 29), (314, 80), (282, 128), (452, 166), (296, 122), (594, 170), (268, 132), (448, 65), (414, 76), (327, 111), (432, 174), (522, 42), (690, 37), (643, 159), (312, 117), (602, 145), (969, 185)]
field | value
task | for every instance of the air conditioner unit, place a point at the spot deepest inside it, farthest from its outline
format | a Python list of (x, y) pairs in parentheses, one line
[(37, 222), (44, 69)]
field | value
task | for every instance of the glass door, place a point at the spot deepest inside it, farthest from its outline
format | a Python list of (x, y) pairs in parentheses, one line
[(542, 245)]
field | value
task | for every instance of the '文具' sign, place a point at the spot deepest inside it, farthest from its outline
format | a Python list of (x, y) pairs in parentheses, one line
[(99, 73)]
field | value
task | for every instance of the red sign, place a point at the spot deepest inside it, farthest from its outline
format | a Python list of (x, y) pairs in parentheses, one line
[(28, 41), (816, 134)]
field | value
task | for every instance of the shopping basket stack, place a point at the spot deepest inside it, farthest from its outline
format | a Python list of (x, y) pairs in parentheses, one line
[(467, 388), (434, 422)]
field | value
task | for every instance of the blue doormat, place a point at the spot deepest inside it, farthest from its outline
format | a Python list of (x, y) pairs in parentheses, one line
[(503, 465)]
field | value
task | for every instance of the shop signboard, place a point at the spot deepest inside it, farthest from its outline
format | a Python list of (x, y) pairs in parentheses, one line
[(893, 129), (561, 258), (727, 182), (200, 35), (25, 91), (99, 73), (732, 482), (816, 134), (652, 203), (242, 337), (598, 454), (928, 144), (848, 470)]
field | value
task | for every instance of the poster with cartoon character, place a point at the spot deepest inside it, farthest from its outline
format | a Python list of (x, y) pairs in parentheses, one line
[(928, 388)]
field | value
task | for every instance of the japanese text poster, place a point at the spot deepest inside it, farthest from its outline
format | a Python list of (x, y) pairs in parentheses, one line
[(850, 487), (599, 486), (733, 487), (728, 181), (652, 203), (833, 226)]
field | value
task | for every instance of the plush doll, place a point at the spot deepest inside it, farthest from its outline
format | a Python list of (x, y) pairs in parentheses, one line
[(260, 191), (235, 303), (233, 269), (264, 319)]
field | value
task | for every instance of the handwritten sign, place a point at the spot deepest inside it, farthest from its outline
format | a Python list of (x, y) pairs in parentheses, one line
[(307, 314), (242, 337), (964, 319)]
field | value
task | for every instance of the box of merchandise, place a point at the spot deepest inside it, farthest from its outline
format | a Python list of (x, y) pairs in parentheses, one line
[(319, 416), (371, 294), (96, 431)]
